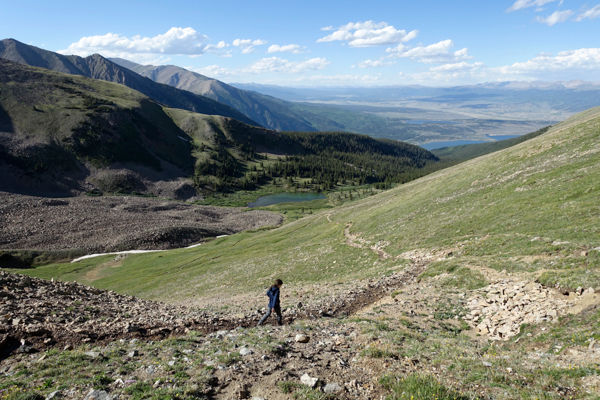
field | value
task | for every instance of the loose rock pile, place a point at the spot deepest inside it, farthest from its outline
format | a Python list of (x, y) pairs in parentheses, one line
[(500, 309), (35, 313)]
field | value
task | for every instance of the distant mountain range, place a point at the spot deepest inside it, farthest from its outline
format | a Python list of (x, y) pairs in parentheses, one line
[(510, 91), (98, 67), (268, 111)]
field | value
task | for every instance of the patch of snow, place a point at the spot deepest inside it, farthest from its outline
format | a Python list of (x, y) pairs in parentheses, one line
[(114, 253)]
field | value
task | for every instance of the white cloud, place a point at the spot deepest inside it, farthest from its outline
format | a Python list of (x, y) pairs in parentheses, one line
[(592, 13), (520, 4), (555, 18), (276, 64), (570, 60), (440, 52), (372, 63), (181, 41), (457, 67), (248, 45), (551, 67), (292, 48), (212, 71), (367, 33)]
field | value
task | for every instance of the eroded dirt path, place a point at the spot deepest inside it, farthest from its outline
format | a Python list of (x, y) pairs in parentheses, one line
[(355, 240)]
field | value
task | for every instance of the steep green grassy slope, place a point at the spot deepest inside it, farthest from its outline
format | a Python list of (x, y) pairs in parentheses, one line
[(531, 208), (98, 67)]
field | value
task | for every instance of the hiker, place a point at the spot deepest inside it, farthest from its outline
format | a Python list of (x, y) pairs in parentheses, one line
[(274, 305)]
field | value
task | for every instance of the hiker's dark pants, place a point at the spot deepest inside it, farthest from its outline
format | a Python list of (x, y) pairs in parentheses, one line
[(268, 314)]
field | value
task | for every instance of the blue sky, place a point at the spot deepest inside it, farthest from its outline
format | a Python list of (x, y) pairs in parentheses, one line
[(318, 43)]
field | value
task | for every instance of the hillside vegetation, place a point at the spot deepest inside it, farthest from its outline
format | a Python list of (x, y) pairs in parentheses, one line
[(65, 133), (232, 155), (531, 208), (464, 284), (444, 287), (58, 127)]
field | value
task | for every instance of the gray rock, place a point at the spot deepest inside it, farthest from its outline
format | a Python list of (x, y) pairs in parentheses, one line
[(94, 354), (301, 338), (332, 388), (54, 395), (220, 334), (98, 395), (133, 353), (244, 351), (309, 381)]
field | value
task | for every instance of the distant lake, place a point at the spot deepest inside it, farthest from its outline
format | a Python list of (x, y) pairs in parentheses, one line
[(285, 198), (426, 121), (450, 143), (502, 137)]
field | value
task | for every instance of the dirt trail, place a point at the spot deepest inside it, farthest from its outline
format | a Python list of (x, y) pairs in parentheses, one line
[(354, 240)]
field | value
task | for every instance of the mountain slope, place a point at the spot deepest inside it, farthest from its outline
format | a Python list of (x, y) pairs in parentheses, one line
[(59, 130), (231, 155), (67, 133), (268, 111), (445, 287), (98, 67), (532, 207)]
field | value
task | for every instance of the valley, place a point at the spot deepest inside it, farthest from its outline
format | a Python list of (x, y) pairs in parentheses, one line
[(449, 286), (424, 223)]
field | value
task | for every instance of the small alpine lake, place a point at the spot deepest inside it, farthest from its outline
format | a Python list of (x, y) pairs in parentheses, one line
[(271, 199)]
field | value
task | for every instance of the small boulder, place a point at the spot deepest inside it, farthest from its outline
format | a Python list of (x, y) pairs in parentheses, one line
[(301, 338), (54, 395), (332, 388), (98, 395), (93, 355), (244, 351), (589, 291), (309, 381)]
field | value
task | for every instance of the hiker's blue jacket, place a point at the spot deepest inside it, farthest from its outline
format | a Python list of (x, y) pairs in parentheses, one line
[(273, 294)]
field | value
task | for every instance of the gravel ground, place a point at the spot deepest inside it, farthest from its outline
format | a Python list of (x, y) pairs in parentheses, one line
[(115, 223)]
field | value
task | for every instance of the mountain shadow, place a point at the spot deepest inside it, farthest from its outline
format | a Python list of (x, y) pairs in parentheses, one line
[(6, 124)]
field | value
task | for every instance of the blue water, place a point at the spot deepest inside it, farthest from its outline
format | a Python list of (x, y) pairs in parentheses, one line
[(450, 143), (502, 137), (426, 121), (285, 198)]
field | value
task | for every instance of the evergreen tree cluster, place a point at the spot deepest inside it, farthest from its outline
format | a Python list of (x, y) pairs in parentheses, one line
[(321, 160)]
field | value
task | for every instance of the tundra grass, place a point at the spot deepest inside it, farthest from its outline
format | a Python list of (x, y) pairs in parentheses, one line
[(532, 207)]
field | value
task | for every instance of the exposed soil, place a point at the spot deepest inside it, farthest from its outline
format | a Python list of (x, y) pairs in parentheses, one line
[(114, 223)]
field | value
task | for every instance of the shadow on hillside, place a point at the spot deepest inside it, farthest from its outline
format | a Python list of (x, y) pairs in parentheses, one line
[(6, 124)]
